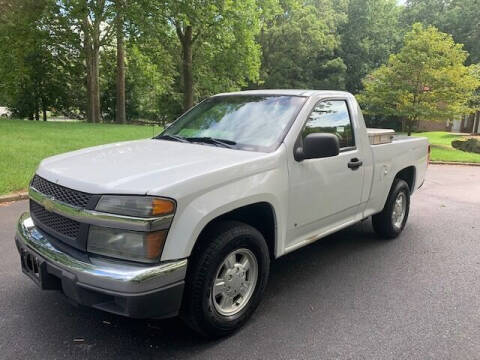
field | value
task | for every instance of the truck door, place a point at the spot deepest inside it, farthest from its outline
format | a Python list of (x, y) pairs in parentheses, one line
[(326, 193)]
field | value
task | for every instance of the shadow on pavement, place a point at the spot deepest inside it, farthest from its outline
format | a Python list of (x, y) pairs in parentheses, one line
[(89, 331)]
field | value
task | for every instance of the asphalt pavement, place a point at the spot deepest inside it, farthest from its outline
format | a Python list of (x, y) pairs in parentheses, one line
[(349, 296)]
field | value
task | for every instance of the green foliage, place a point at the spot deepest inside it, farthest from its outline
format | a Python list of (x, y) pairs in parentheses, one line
[(150, 77), (33, 75), (372, 32), (225, 54), (457, 17), (427, 79), (49, 50), (442, 150), (300, 41)]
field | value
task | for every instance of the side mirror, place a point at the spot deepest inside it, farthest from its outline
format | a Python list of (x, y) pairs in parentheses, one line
[(316, 146)]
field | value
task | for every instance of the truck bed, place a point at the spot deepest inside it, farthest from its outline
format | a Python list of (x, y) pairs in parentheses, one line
[(388, 159)]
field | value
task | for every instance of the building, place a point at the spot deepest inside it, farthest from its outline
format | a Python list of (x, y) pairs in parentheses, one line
[(469, 124)]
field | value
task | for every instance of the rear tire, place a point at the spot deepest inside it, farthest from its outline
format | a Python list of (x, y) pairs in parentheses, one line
[(226, 279), (391, 221)]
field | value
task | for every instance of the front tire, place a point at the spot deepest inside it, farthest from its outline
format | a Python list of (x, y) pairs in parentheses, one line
[(226, 280), (391, 221)]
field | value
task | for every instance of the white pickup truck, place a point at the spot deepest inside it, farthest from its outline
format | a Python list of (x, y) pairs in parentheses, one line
[(188, 222)]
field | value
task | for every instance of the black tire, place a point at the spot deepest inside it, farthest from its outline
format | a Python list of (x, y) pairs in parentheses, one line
[(382, 222), (198, 310)]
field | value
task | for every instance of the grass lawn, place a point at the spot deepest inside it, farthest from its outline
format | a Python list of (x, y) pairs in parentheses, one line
[(442, 149), (24, 143)]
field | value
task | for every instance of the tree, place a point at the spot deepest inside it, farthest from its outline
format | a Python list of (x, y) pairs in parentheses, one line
[(427, 79), (151, 70), (372, 32), (35, 71), (300, 41), (456, 17), (474, 102), (120, 114), (217, 41), (87, 26)]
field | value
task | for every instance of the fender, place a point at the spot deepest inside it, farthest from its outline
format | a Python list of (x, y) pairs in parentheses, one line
[(193, 215)]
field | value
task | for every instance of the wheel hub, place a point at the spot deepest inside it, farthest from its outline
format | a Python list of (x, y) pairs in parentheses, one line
[(235, 282), (399, 210)]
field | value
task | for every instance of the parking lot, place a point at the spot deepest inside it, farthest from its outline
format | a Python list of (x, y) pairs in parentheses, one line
[(350, 296)]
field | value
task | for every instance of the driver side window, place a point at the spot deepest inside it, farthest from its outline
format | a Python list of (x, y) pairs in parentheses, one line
[(331, 116)]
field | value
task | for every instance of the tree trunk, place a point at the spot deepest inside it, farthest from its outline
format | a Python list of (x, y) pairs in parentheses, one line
[(462, 124), (410, 123), (37, 109), (44, 110), (96, 86), (120, 114), (187, 44), (87, 48), (476, 124), (92, 54), (89, 89), (93, 86)]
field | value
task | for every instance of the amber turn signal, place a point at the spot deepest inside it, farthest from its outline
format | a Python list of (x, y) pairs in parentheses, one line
[(162, 207), (154, 243)]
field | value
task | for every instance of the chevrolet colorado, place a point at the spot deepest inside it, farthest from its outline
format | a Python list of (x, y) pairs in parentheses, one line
[(187, 223)]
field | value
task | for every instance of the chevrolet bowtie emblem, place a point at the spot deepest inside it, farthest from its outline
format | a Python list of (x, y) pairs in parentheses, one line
[(49, 204)]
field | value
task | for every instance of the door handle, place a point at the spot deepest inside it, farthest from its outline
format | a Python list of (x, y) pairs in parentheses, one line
[(354, 164)]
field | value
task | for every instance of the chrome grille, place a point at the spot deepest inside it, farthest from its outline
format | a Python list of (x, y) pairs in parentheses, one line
[(61, 193), (55, 222)]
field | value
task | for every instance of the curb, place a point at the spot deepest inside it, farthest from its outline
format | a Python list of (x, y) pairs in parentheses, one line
[(13, 197), (453, 163)]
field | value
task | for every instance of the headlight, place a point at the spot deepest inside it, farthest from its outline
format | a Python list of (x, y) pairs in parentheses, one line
[(128, 244), (125, 244), (138, 206)]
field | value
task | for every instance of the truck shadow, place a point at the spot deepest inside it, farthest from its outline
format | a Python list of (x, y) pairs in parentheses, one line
[(294, 277)]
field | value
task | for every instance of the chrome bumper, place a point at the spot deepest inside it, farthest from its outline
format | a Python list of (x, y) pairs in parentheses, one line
[(99, 274)]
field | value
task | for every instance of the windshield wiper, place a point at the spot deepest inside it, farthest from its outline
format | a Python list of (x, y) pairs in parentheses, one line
[(172, 137), (219, 142)]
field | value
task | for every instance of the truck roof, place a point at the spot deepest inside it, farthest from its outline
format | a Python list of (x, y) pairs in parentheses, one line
[(290, 92)]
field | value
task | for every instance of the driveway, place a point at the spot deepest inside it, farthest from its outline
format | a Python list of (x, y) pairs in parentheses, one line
[(350, 296)]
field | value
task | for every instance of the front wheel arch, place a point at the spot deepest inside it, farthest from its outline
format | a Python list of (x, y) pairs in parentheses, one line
[(260, 215)]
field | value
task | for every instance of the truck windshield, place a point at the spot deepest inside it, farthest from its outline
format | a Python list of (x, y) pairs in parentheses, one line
[(247, 122)]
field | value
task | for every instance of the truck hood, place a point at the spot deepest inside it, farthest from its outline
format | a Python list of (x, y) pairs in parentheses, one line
[(156, 167)]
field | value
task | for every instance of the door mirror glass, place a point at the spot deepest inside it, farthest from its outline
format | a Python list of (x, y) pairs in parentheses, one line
[(318, 145)]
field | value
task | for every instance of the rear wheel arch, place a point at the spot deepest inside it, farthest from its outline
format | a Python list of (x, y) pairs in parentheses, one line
[(408, 175), (384, 222)]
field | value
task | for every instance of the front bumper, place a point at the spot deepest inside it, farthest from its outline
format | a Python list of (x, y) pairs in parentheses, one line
[(118, 287)]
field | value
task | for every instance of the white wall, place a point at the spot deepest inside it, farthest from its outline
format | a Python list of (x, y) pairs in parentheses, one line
[(456, 125)]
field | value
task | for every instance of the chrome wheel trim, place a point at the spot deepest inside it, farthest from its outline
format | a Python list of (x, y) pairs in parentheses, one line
[(235, 282), (399, 210)]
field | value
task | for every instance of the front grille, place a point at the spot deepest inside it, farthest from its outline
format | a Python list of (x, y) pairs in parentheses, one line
[(55, 222), (61, 193)]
